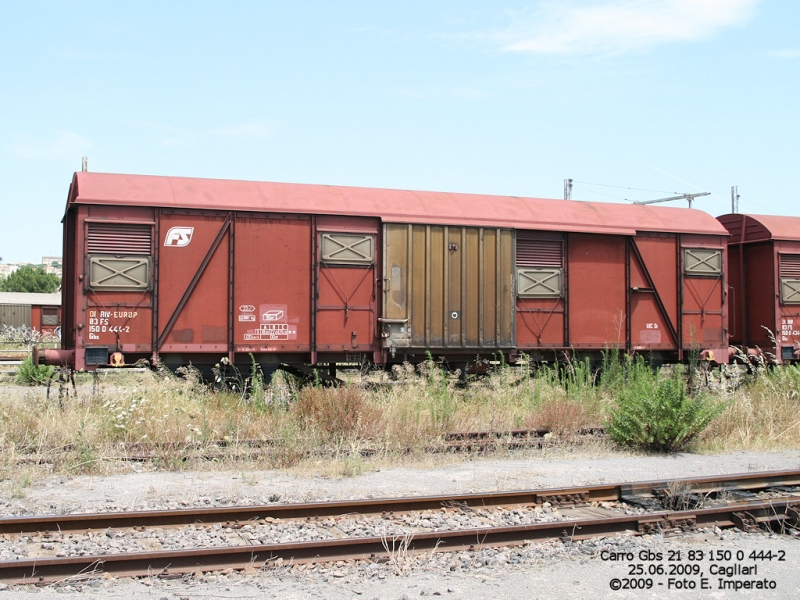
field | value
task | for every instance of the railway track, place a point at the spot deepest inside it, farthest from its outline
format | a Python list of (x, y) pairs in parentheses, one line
[(727, 494), (253, 448)]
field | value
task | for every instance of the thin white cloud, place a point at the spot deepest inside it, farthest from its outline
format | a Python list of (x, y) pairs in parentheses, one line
[(256, 128), (63, 145), (618, 26), (785, 53)]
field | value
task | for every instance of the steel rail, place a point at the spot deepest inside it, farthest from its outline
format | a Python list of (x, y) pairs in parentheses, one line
[(452, 440), (267, 442), (474, 442), (240, 515), (746, 515)]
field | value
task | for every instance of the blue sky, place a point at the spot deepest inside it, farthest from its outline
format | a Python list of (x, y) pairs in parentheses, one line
[(509, 97)]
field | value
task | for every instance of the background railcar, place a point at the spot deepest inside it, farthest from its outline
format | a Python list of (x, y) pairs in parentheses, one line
[(191, 270), (40, 312), (764, 274)]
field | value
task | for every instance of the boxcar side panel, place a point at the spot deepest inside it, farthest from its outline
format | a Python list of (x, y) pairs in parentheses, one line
[(193, 296), (347, 251), (115, 276), (653, 293), (540, 302), (787, 298), (737, 307), (760, 270), (597, 309), (704, 321), (272, 284)]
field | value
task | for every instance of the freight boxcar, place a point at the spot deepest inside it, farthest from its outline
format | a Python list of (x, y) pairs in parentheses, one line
[(40, 312), (192, 270), (764, 275)]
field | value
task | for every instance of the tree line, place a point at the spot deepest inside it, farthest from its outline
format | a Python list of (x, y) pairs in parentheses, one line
[(31, 279)]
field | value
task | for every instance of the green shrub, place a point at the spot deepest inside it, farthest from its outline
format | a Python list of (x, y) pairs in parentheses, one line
[(31, 374), (655, 413)]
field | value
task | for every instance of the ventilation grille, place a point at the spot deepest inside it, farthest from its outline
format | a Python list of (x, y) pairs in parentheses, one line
[(702, 262), (347, 248), (790, 265), (539, 283), (119, 238), (790, 290), (119, 273), (539, 253), (49, 316)]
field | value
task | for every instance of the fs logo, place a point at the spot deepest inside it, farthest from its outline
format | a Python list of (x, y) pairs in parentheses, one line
[(179, 236)]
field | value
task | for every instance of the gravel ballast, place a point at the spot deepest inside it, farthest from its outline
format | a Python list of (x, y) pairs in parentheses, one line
[(542, 570)]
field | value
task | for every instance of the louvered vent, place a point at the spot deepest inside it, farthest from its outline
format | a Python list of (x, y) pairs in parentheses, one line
[(790, 265), (119, 238), (539, 253)]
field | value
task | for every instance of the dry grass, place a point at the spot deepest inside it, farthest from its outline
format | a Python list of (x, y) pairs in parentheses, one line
[(377, 419), (762, 415)]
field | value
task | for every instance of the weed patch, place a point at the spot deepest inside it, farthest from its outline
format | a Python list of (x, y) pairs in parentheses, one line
[(31, 374), (655, 413)]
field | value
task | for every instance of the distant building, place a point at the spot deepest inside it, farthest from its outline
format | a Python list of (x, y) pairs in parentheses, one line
[(9, 268), (51, 264)]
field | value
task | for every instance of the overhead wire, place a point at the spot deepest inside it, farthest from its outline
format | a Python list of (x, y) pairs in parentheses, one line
[(622, 187), (601, 193), (757, 204)]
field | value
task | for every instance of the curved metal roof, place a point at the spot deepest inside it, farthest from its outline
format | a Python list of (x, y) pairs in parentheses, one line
[(756, 228), (393, 206)]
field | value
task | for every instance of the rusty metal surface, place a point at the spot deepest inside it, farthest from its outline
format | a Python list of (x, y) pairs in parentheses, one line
[(448, 287), (597, 291), (237, 267), (746, 516), (756, 246), (397, 206), (761, 227), (346, 296), (242, 514)]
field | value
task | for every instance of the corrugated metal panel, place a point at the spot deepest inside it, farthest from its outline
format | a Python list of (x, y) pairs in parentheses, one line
[(15, 315), (539, 253), (448, 287), (392, 206), (789, 265), (119, 238)]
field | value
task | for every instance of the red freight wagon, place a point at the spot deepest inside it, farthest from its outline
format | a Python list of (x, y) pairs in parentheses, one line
[(181, 270), (40, 312), (764, 274)]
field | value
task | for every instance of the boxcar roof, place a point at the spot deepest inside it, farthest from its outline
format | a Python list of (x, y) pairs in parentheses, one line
[(758, 228), (393, 206), (30, 298)]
